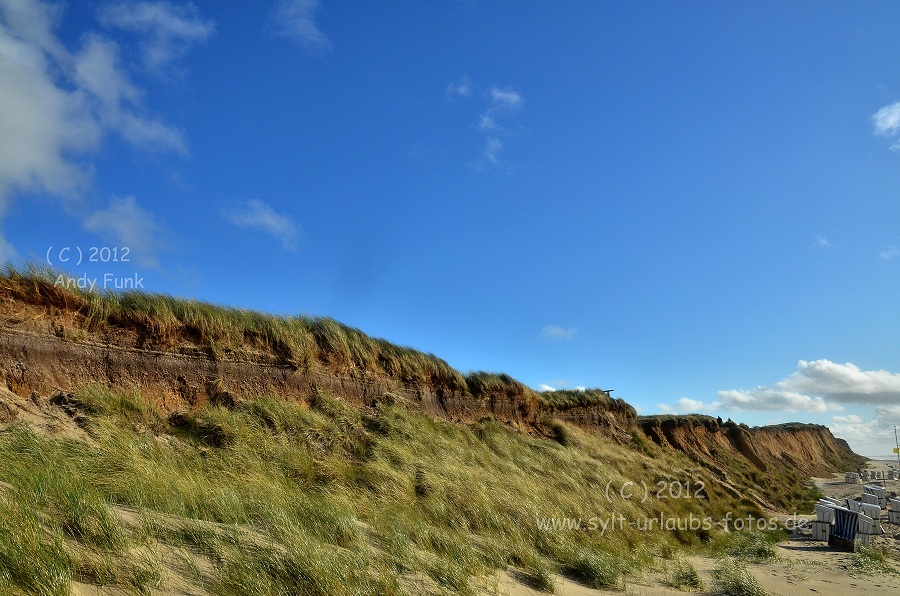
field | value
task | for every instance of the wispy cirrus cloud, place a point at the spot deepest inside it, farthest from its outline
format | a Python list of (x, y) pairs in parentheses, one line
[(498, 106), (889, 253), (823, 242), (487, 122), (461, 88), (126, 224), (256, 215), (490, 152), (559, 333), (505, 98), (296, 20), (169, 30), (117, 101)]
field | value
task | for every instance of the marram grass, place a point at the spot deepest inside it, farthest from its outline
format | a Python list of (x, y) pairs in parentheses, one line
[(302, 341), (271, 498)]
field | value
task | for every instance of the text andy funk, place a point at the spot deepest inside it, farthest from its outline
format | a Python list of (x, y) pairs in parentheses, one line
[(107, 281)]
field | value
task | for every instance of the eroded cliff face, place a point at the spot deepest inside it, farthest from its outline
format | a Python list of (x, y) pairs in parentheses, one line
[(45, 348), (809, 449)]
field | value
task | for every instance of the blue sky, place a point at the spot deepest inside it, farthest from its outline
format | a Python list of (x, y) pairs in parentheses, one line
[(692, 203)]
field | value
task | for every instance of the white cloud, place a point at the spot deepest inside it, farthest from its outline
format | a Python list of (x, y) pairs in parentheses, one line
[(889, 253), (40, 124), (848, 419), (686, 405), (887, 123), (8, 253), (256, 215), (505, 98), (490, 153), (97, 71), (463, 88), (772, 400), (560, 385), (169, 29), (823, 242), (295, 19), (888, 415), (56, 105), (817, 386), (486, 122), (690, 405), (501, 104), (868, 437), (116, 100), (557, 332), (887, 120), (125, 223), (844, 383)]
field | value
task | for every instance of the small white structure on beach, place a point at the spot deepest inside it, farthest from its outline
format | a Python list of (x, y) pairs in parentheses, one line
[(878, 492), (894, 513)]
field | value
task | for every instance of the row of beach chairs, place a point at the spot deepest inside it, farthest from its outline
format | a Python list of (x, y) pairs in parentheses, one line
[(866, 476), (843, 524)]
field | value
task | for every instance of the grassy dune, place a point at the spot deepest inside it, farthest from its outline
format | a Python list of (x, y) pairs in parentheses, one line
[(263, 496), (165, 321), (268, 496)]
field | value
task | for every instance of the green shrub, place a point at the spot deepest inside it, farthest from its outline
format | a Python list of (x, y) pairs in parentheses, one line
[(870, 559)]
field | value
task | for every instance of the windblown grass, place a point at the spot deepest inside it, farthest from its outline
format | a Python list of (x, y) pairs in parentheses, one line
[(165, 321), (268, 495), (734, 579), (752, 546), (683, 576)]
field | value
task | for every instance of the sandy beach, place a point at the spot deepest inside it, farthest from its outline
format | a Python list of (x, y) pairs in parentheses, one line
[(802, 567), (837, 488)]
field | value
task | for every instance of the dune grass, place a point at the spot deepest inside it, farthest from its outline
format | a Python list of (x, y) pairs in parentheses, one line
[(683, 576), (562, 399), (734, 579), (305, 343), (268, 495), (165, 322), (756, 546)]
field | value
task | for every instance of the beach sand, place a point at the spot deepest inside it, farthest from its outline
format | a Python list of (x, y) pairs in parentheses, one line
[(803, 567), (835, 486)]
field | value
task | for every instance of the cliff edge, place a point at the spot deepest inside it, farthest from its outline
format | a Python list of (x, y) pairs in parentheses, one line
[(182, 354)]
